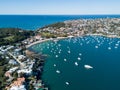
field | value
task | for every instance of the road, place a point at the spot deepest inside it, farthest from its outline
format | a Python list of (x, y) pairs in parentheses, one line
[(16, 59)]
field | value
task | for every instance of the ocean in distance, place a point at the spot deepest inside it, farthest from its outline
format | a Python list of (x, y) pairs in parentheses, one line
[(33, 22), (65, 65)]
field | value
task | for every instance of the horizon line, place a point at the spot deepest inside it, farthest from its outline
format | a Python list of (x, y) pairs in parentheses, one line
[(60, 14)]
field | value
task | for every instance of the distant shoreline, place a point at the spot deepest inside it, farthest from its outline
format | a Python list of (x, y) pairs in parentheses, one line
[(46, 20)]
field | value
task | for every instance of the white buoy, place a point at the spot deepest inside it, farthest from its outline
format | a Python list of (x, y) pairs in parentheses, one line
[(88, 67)]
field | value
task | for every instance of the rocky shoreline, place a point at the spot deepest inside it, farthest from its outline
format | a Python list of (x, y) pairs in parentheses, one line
[(37, 69)]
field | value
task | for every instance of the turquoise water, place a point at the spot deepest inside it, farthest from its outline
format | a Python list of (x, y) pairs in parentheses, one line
[(33, 22), (103, 54)]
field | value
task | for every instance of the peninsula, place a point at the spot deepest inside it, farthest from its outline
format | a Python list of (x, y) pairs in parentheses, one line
[(109, 27), (21, 69)]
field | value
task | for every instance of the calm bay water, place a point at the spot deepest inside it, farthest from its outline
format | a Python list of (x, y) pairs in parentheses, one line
[(33, 22), (103, 54)]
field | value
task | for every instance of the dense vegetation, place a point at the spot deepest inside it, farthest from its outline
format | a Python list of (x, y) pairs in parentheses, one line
[(48, 35), (13, 35), (3, 69), (51, 34), (55, 25)]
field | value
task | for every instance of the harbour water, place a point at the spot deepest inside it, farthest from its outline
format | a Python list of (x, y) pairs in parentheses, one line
[(65, 65), (33, 22)]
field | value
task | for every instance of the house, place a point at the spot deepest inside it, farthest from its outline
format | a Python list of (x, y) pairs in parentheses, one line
[(21, 57), (13, 69), (17, 85), (8, 74), (12, 61), (26, 71)]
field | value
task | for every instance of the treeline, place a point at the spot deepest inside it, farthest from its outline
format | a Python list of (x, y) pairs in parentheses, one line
[(13, 35), (3, 69)]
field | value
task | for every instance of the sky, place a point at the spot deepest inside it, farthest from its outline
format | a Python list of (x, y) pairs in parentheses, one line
[(59, 7)]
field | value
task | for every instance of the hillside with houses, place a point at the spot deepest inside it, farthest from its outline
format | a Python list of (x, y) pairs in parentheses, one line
[(103, 26)]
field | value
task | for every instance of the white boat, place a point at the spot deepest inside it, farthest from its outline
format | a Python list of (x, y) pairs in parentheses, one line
[(70, 36), (80, 54), (65, 60), (54, 65), (88, 67), (59, 45), (55, 40), (59, 52), (117, 44), (56, 56), (96, 46), (67, 83), (68, 51), (109, 48), (79, 58), (76, 63), (57, 71)]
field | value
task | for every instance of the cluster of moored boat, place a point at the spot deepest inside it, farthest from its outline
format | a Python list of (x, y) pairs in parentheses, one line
[(56, 50)]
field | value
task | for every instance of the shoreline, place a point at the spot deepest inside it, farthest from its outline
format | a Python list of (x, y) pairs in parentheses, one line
[(108, 36), (37, 42), (41, 41), (59, 38)]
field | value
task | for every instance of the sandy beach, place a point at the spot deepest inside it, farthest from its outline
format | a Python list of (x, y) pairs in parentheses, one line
[(40, 41), (27, 46)]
